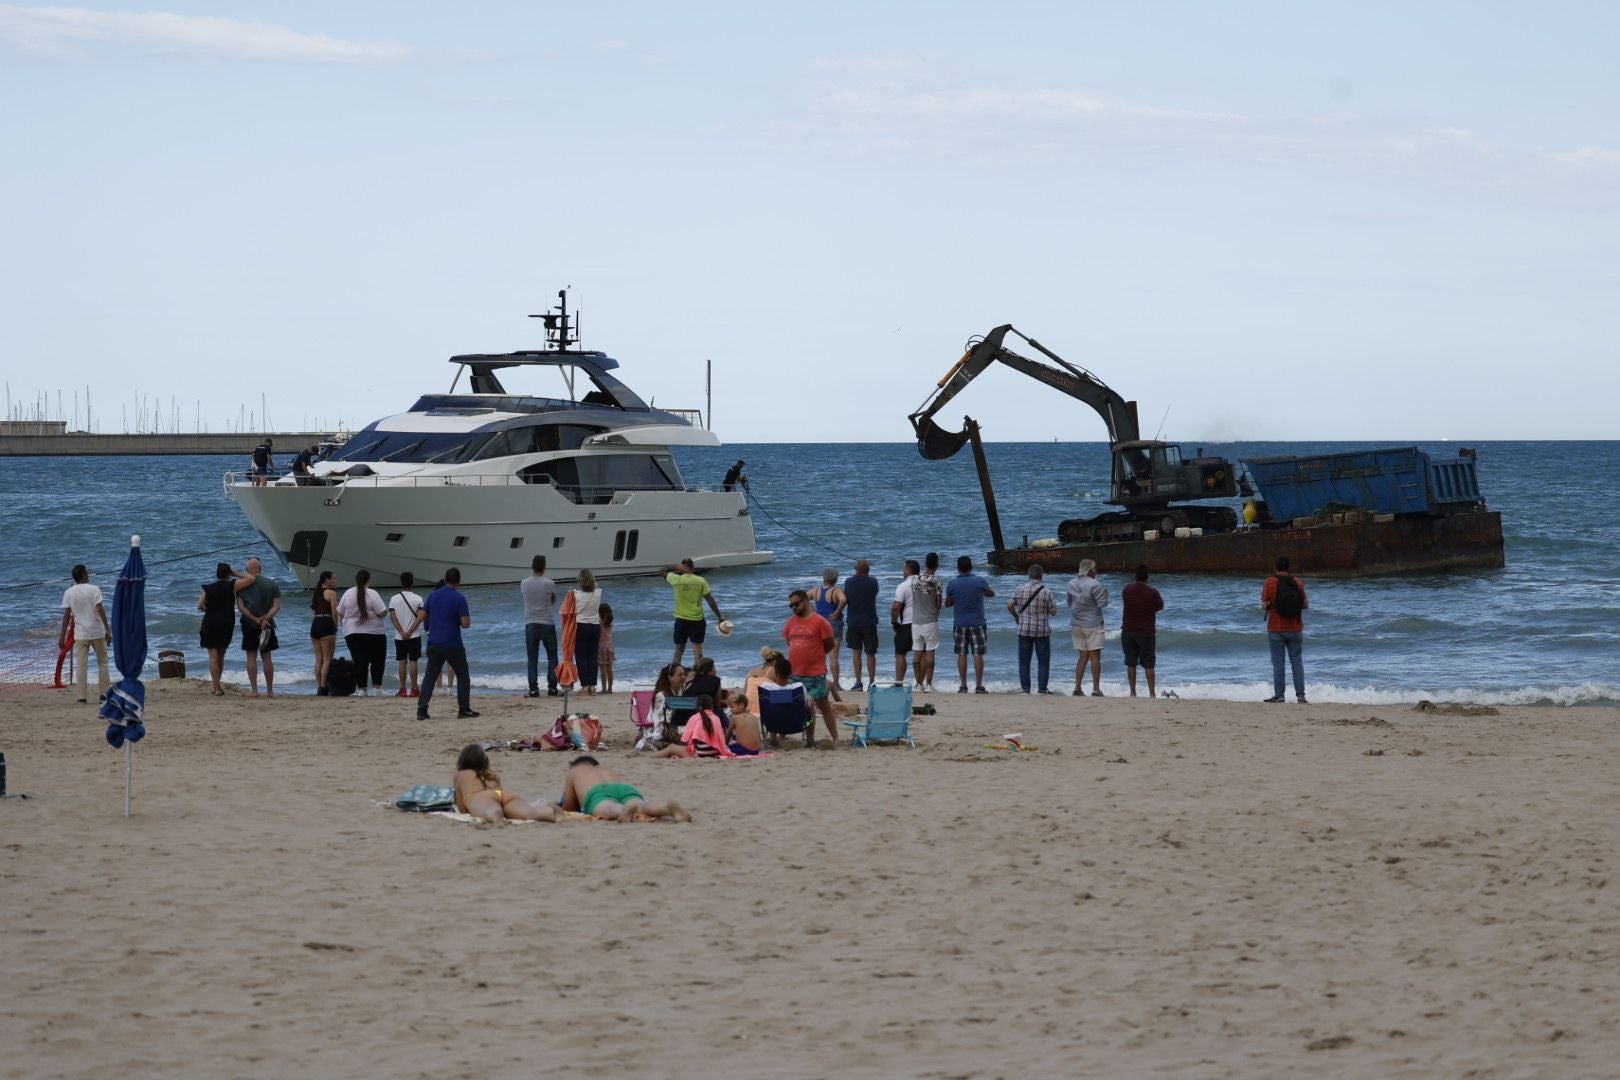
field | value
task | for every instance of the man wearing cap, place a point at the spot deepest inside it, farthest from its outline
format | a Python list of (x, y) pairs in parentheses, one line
[(690, 593), (734, 476)]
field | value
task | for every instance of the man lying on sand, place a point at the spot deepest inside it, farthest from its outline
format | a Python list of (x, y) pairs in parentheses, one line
[(592, 788), (479, 793)]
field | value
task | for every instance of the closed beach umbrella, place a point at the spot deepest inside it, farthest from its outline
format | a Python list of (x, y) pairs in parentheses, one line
[(567, 673), (127, 701)]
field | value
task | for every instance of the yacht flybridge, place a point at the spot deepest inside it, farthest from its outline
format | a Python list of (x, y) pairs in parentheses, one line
[(484, 479)]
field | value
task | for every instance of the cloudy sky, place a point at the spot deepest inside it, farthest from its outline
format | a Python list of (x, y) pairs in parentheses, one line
[(1377, 221)]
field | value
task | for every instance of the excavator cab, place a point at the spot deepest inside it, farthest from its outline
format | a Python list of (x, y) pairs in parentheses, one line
[(1148, 475)]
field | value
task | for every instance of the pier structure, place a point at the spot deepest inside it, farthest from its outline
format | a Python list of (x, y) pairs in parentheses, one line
[(52, 439)]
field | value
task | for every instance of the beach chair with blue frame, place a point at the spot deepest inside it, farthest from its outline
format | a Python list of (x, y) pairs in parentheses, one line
[(783, 710), (888, 717), (677, 711)]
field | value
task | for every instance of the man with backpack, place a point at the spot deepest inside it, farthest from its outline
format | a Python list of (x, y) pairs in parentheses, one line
[(927, 596), (1284, 601)]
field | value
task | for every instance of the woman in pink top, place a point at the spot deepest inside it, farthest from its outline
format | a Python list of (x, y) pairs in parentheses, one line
[(704, 735)]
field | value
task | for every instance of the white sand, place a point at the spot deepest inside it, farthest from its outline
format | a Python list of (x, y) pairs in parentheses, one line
[(1165, 888)]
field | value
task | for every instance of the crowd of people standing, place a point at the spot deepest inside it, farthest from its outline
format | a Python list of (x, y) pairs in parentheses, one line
[(824, 619)]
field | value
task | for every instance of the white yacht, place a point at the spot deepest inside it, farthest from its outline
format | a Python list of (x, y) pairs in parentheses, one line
[(484, 480)]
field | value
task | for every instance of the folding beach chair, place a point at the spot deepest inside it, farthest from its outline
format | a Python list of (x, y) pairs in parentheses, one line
[(888, 717), (641, 715), (677, 711), (783, 710)]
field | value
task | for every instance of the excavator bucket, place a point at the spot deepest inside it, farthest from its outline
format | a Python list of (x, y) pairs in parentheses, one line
[(935, 443)]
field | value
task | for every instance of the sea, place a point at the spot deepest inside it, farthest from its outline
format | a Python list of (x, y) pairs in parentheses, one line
[(1544, 630)]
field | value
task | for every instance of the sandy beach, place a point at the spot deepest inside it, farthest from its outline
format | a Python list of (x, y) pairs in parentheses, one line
[(1166, 888)]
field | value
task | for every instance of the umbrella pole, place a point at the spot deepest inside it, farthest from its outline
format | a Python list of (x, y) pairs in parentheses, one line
[(129, 775)]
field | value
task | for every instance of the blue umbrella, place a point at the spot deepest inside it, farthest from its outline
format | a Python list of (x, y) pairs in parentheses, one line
[(125, 702)]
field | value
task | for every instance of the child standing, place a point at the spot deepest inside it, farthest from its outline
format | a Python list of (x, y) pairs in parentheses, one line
[(604, 650)]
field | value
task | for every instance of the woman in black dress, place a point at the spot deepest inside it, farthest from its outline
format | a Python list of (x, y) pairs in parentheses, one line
[(218, 605), (323, 627)]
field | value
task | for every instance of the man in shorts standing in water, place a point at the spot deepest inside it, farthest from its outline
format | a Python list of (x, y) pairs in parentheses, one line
[(690, 593), (810, 639), (258, 604), (926, 598), (967, 593)]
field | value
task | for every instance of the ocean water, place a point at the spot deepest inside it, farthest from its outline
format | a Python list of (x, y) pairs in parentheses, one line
[(1544, 630)]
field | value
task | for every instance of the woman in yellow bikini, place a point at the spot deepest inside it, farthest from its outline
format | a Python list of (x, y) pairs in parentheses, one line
[(479, 793)]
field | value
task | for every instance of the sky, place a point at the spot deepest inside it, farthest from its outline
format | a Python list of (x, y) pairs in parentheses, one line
[(1378, 221)]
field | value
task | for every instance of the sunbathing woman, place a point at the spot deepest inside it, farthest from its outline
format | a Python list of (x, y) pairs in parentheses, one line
[(479, 793)]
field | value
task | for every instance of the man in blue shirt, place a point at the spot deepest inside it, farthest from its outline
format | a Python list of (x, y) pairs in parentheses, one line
[(965, 595), (447, 615), (860, 616)]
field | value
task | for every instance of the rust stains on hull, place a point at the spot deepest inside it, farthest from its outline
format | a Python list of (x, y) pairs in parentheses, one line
[(1405, 545)]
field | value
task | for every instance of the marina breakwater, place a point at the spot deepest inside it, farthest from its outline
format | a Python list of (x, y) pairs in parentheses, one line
[(89, 444)]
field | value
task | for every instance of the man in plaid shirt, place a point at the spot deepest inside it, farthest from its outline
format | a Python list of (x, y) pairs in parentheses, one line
[(1033, 605)]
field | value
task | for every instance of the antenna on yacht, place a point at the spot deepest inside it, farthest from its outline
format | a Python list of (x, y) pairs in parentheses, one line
[(559, 333)]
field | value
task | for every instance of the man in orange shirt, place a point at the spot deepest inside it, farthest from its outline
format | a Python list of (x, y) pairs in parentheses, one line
[(810, 640), (1284, 600)]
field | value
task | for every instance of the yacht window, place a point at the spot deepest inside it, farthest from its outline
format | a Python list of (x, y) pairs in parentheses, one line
[(406, 446), (553, 437), (630, 548), (594, 478), (460, 541), (503, 444), (393, 538), (556, 542), (517, 541), (618, 546)]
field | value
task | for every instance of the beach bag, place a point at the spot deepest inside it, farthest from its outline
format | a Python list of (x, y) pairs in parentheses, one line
[(1289, 601), (578, 732), (557, 738), (340, 677)]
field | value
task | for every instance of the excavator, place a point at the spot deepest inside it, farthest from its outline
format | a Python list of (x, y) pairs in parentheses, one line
[(1148, 476)]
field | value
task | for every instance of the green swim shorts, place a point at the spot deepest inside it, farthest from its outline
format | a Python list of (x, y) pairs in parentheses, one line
[(619, 793)]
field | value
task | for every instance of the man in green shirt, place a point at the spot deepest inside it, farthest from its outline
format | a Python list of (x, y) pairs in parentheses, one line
[(690, 592)]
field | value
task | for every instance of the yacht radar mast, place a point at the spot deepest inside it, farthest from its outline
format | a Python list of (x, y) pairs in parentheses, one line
[(559, 334)]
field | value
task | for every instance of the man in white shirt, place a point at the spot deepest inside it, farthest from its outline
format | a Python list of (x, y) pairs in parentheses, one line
[(900, 618), (82, 608), (405, 611)]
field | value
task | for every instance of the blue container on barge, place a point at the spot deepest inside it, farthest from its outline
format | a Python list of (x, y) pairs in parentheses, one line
[(1397, 481)]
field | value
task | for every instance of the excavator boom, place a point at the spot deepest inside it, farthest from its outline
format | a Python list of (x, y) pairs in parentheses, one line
[(935, 443), (1146, 477)]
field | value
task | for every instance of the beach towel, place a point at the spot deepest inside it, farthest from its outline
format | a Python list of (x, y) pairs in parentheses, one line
[(468, 819), (704, 736)]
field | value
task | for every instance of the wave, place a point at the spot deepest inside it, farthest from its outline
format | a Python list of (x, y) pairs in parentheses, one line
[(1581, 694)]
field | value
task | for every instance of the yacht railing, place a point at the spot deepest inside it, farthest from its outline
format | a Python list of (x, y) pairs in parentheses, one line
[(577, 493)]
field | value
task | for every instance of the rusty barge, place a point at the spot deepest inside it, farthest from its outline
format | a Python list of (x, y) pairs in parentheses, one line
[(1352, 514)]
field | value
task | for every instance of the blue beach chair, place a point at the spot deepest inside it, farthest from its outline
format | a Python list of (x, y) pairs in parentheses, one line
[(783, 710), (888, 717)]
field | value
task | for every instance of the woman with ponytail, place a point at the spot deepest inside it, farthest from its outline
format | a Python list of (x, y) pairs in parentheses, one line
[(362, 613)]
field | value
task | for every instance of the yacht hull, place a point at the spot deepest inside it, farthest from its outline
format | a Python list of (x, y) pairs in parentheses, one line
[(491, 532)]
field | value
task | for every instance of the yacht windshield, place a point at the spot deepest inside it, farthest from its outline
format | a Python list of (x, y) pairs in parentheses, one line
[(408, 446)]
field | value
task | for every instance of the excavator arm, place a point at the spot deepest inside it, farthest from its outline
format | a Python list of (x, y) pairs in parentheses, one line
[(935, 443)]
